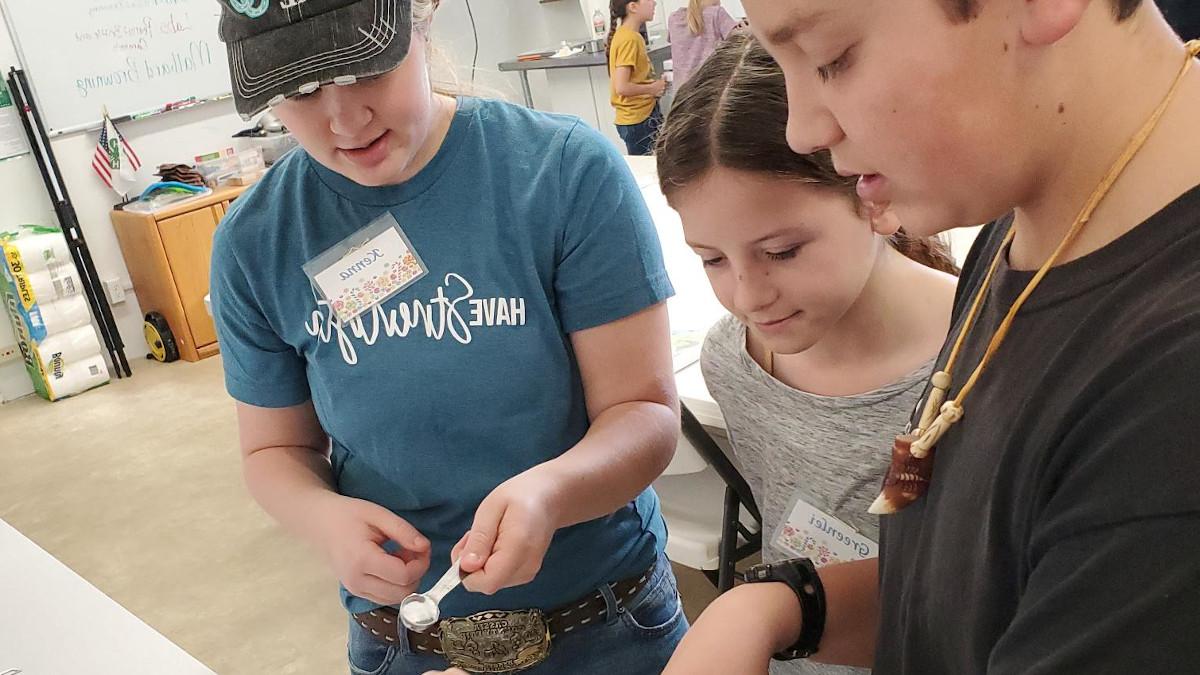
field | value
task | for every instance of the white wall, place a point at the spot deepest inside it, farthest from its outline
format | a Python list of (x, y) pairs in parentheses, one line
[(506, 28)]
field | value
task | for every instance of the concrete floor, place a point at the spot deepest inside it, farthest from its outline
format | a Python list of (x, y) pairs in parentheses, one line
[(137, 487)]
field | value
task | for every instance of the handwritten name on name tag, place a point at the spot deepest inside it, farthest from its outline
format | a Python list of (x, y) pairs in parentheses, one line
[(365, 269), (811, 533)]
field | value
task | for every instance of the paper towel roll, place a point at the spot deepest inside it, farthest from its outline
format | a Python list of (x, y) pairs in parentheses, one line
[(77, 377), (51, 285), (42, 252), (60, 316), (62, 350)]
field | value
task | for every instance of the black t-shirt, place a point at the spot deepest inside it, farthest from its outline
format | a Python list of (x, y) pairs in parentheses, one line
[(1184, 17), (1061, 531)]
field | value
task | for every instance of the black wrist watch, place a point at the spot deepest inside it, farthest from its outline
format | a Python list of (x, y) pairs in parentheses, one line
[(801, 576)]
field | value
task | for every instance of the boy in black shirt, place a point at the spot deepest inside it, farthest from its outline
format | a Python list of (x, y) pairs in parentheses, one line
[(1054, 526)]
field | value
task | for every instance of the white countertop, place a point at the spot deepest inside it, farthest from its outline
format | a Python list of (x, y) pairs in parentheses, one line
[(53, 622)]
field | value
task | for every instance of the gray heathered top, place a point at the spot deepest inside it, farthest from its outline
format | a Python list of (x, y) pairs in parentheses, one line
[(835, 449)]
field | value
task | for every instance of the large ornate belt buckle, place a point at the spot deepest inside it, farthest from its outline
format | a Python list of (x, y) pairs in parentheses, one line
[(496, 642)]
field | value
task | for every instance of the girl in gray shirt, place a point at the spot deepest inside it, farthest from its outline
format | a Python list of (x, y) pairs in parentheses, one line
[(836, 314)]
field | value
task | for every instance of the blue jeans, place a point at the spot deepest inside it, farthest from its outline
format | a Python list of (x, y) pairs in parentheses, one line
[(637, 638), (639, 138)]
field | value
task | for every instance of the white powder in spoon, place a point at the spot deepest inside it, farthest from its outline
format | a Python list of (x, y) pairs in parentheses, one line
[(419, 612)]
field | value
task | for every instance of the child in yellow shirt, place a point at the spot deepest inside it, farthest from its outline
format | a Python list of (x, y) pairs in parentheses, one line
[(635, 90)]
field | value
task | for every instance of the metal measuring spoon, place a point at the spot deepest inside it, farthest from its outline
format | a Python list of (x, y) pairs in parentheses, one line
[(419, 611)]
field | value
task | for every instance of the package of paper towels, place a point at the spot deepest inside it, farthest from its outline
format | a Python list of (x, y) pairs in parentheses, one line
[(50, 285), (40, 266), (38, 263), (69, 346), (42, 249), (68, 378), (42, 293), (63, 315)]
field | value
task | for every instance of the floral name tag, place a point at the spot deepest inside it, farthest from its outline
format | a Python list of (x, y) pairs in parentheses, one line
[(366, 268), (811, 533)]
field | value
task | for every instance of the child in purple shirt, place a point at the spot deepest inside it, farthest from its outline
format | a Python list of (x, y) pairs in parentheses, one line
[(695, 31)]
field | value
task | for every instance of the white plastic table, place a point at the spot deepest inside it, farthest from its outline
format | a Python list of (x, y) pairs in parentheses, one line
[(53, 622)]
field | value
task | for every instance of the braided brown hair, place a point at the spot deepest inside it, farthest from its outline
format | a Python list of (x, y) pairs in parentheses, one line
[(733, 113), (617, 10)]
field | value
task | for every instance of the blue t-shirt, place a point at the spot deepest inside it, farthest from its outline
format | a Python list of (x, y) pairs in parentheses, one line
[(532, 228)]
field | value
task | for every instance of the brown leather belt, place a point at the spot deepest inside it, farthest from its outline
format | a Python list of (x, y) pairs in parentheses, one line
[(383, 622)]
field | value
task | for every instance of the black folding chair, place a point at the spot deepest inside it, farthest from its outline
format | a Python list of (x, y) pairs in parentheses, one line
[(737, 498)]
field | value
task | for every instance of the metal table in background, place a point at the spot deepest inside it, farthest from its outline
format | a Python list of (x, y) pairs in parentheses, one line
[(659, 53)]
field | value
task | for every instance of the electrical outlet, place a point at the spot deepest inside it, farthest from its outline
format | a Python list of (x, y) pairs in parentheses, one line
[(9, 353), (115, 291)]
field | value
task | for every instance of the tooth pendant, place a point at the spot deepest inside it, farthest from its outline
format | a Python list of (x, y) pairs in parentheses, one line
[(907, 478), (912, 463)]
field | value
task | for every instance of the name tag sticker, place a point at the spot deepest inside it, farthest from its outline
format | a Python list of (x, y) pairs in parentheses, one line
[(811, 533), (366, 268)]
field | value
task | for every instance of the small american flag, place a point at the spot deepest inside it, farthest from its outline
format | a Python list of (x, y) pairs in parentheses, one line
[(114, 160)]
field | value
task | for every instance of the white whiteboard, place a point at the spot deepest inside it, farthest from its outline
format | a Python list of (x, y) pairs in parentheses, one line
[(133, 56)]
